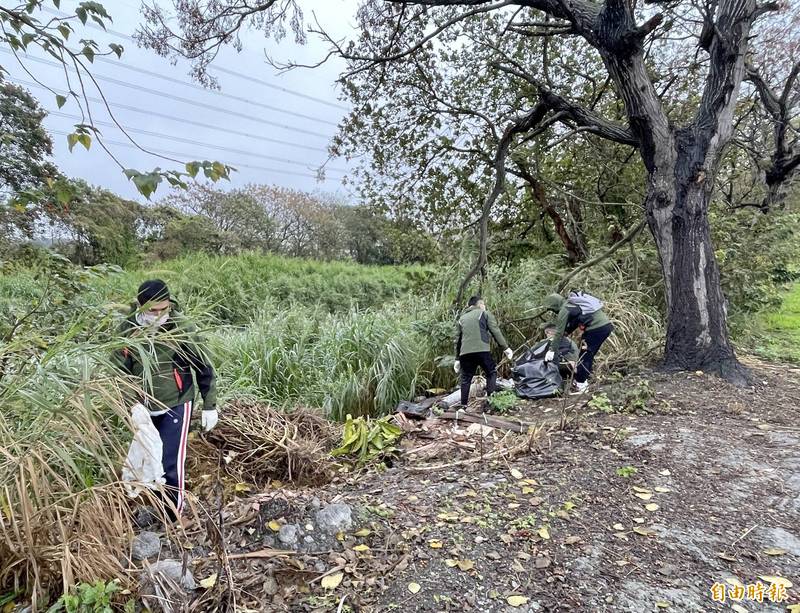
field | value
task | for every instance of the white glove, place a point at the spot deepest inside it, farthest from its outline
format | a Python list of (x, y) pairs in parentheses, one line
[(209, 419), (457, 366), (549, 356), (508, 353)]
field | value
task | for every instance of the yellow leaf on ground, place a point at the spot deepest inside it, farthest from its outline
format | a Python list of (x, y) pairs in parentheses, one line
[(242, 487), (450, 562), (332, 581), (643, 490), (794, 608), (571, 540), (639, 520), (644, 531), (773, 579), (618, 527), (528, 490), (662, 604), (775, 551), (651, 507), (516, 474), (644, 495), (363, 532), (517, 601), (663, 490), (275, 484), (209, 581), (274, 526), (530, 481), (466, 565), (544, 532), (361, 548), (414, 588), (435, 544)]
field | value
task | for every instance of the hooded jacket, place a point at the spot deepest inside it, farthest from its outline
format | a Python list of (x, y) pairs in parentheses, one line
[(167, 362), (474, 331), (569, 317)]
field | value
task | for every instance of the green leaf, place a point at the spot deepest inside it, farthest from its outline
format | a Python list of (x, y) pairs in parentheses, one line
[(81, 13), (117, 49), (71, 140), (85, 140), (61, 100), (193, 168), (89, 53), (65, 31)]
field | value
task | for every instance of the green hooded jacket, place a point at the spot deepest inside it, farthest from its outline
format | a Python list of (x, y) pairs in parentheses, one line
[(167, 362), (568, 318), (474, 330)]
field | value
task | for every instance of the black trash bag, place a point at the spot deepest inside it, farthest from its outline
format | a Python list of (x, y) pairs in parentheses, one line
[(537, 379)]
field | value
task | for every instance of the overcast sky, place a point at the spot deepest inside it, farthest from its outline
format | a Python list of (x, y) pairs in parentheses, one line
[(153, 107)]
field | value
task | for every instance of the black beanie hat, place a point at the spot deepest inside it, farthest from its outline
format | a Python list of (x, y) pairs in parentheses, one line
[(153, 290)]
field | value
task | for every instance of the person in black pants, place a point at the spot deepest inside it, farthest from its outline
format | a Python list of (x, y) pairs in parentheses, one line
[(593, 340), (474, 331)]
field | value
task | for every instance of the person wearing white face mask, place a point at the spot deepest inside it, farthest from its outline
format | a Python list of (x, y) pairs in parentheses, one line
[(177, 357)]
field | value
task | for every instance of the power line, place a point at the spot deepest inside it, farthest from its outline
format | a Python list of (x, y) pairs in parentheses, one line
[(174, 118), (189, 141), (228, 71), (187, 156), (194, 102), (172, 80)]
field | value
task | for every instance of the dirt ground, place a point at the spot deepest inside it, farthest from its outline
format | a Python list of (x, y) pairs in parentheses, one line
[(661, 487)]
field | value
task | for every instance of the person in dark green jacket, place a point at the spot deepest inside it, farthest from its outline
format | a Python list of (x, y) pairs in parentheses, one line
[(474, 331), (596, 329), (165, 356)]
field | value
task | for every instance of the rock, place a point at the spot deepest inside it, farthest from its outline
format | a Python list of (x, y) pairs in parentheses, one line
[(288, 534), (641, 440), (309, 539), (316, 503), (335, 518), (320, 566), (173, 570), (270, 586), (782, 539), (145, 517), (145, 545), (269, 541), (166, 587)]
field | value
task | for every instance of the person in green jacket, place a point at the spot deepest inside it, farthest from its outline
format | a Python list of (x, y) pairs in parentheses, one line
[(165, 355), (474, 330), (596, 329)]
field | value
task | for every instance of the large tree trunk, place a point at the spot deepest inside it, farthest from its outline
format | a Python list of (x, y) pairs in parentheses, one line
[(697, 333)]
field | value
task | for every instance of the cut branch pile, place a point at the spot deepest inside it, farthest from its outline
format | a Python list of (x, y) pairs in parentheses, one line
[(255, 443)]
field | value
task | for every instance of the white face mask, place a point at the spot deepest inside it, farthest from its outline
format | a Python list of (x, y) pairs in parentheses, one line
[(149, 320)]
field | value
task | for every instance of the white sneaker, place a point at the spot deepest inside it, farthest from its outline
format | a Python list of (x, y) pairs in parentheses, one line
[(580, 388)]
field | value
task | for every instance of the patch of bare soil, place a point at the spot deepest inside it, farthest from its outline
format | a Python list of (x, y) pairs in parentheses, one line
[(659, 487)]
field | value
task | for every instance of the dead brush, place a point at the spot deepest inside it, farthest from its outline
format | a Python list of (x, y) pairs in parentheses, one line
[(259, 443)]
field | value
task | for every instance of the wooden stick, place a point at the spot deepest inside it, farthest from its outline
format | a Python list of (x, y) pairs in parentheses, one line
[(264, 553), (493, 421)]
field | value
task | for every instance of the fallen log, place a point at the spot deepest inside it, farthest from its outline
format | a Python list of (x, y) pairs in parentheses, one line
[(493, 421)]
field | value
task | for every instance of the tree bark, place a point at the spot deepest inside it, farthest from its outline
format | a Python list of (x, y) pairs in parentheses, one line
[(697, 333)]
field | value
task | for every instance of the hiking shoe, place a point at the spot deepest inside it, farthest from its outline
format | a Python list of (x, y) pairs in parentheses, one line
[(579, 388)]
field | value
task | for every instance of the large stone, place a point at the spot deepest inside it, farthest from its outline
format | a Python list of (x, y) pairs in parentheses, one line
[(335, 518), (145, 545), (166, 586), (174, 571), (288, 534)]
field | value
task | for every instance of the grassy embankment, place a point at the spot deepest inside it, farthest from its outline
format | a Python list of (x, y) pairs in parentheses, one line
[(779, 331)]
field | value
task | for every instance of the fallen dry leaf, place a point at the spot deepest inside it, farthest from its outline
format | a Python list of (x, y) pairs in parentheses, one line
[(794, 608), (642, 490), (209, 581), (516, 474), (274, 526), (664, 473), (734, 582), (466, 565), (651, 507), (528, 490), (775, 551), (639, 520), (662, 604), (726, 556), (332, 581), (644, 531), (571, 540), (361, 548), (774, 579), (517, 601), (618, 527), (738, 608), (435, 544), (242, 487), (451, 562), (663, 490), (363, 532), (644, 495), (414, 587), (542, 562), (543, 532)]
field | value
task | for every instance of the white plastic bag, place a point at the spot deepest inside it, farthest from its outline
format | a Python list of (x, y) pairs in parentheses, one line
[(143, 468)]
